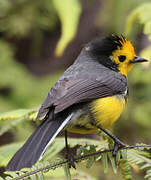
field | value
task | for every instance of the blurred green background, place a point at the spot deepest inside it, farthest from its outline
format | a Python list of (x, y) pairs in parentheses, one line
[(40, 39)]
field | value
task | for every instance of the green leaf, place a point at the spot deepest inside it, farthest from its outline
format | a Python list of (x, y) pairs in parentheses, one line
[(7, 151), (124, 154), (125, 169), (118, 156), (34, 176), (113, 162), (69, 14), (147, 176), (15, 114), (91, 159), (90, 162), (8, 178), (7, 125), (105, 162), (67, 172), (137, 157), (11, 173), (141, 14), (13, 118), (40, 176)]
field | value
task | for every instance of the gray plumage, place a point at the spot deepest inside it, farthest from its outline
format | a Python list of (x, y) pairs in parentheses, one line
[(90, 77)]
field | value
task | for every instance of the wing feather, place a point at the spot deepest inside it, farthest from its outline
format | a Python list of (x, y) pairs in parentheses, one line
[(73, 90)]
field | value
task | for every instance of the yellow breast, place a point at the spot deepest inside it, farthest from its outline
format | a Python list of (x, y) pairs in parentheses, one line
[(107, 110)]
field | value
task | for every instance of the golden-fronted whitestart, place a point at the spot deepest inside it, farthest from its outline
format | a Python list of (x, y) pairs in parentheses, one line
[(91, 94)]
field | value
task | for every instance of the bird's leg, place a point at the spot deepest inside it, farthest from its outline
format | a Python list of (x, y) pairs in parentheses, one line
[(117, 143), (69, 156)]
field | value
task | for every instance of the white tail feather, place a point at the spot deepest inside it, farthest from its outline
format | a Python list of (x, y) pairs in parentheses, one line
[(56, 133)]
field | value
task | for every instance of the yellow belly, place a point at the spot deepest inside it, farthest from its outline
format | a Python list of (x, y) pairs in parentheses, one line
[(107, 110)]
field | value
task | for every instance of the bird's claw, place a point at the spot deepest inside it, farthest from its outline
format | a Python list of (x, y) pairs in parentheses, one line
[(70, 159), (117, 146)]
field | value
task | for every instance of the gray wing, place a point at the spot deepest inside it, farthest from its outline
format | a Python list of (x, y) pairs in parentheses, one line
[(73, 90)]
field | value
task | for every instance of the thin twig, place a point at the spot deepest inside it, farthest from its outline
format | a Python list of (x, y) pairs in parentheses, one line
[(76, 159)]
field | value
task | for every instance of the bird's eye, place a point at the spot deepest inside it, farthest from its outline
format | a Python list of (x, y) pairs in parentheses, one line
[(122, 58)]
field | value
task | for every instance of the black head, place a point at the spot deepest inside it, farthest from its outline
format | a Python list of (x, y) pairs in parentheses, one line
[(105, 46), (114, 52), (101, 49)]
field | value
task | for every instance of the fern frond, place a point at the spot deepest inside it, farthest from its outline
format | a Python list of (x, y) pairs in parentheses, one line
[(139, 155), (16, 114), (11, 119), (140, 159), (113, 162), (35, 173), (7, 151), (141, 13), (67, 172), (86, 146), (125, 169)]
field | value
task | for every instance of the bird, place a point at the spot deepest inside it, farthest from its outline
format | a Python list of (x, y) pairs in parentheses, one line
[(90, 95)]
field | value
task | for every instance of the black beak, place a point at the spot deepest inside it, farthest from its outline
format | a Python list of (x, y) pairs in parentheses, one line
[(138, 59)]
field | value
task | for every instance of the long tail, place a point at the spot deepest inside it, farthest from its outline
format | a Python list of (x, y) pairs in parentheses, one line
[(37, 144)]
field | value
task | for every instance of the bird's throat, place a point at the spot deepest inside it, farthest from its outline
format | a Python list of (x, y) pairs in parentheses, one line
[(124, 69)]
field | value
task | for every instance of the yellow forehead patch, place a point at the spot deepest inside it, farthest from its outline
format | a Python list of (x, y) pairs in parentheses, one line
[(124, 49), (127, 50)]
